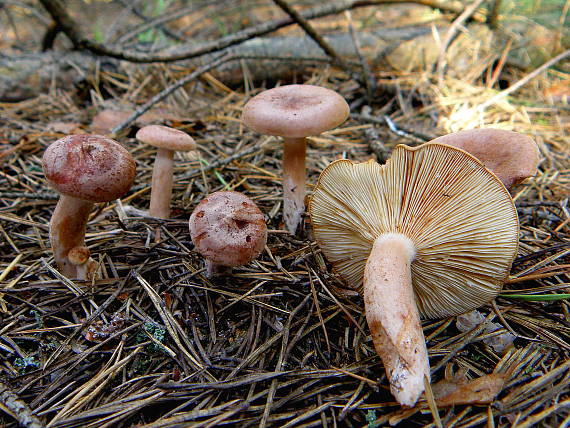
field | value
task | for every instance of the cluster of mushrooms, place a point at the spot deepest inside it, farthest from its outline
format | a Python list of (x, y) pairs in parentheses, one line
[(431, 233)]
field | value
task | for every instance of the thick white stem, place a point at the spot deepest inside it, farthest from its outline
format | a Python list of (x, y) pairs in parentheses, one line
[(293, 181), (161, 189), (393, 317), (67, 232)]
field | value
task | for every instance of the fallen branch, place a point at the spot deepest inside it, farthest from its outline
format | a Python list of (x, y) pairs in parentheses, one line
[(28, 75), (19, 410), (190, 50), (312, 33), (169, 90)]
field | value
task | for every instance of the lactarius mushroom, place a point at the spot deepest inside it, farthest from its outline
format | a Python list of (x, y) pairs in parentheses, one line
[(431, 233), (228, 229), (513, 157), (84, 169), (167, 141), (295, 112)]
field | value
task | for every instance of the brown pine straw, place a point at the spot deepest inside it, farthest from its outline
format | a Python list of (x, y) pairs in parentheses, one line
[(282, 342)]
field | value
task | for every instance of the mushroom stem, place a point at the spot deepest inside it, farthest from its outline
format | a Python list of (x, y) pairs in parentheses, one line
[(161, 192), (215, 269), (293, 181), (67, 232), (393, 317)]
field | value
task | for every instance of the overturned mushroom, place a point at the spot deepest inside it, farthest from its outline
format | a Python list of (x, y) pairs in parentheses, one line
[(511, 156), (295, 112), (84, 169), (228, 229), (430, 233)]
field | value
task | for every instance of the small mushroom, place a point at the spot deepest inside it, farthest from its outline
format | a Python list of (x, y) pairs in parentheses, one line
[(228, 229), (84, 169), (294, 112), (432, 233), (167, 141), (511, 156)]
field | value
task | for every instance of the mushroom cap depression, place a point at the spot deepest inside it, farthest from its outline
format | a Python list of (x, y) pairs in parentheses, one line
[(90, 167), (511, 156), (295, 111), (164, 137), (460, 218), (228, 229)]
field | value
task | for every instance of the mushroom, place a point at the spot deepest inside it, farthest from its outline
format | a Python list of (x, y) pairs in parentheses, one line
[(431, 233), (294, 112), (84, 169), (513, 157), (228, 229), (167, 140)]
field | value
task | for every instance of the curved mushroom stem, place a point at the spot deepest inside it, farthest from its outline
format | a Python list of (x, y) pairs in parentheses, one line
[(393, 317), (293, 181), (67, 234)]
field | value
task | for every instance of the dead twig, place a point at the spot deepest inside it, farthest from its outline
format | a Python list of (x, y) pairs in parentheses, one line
[(19, 410), (515, 86), (367, 75), (451, 33), (191, 50), (170, 89), (312, 33)]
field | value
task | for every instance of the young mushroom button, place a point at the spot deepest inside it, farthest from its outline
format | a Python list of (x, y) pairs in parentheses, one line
[(84, 169), (432, 232), (228, 229), (167, 141), (294, 112), (511, 156)]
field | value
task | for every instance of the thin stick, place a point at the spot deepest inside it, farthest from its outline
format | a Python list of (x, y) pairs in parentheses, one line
[(494, 14), (525, 80), (191, 50), (167, 91), (367, 74), (312, 33), (451, 35), (18, 409)]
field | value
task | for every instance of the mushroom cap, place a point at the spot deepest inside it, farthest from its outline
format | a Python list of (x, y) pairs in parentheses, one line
[(90, 167), (295, 111), (513, 157), (460, 218), (228, 229), (165, 137)]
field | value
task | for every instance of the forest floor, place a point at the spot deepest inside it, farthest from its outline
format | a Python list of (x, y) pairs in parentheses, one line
[(280, 342)]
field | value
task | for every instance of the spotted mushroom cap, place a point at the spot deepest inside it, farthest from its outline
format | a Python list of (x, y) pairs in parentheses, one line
[(295, 111), (166, 138), (90, 167), (513, 157), (228, 229), (460, 218)]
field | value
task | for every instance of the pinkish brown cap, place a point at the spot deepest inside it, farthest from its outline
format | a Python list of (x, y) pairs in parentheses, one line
[(511, 156), (228, 229), (90, 167), (295, 111), (165, 137)]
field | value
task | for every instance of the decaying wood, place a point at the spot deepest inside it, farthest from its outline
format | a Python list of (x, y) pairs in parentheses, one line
[(18, 409), (58, 12), (27, 75)]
